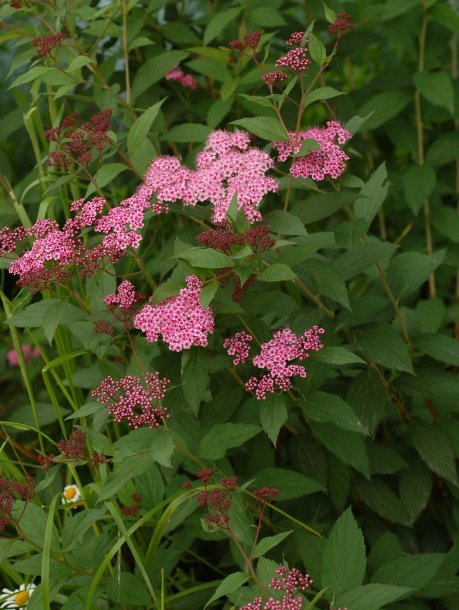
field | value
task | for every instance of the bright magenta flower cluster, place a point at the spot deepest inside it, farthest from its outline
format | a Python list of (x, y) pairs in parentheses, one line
[(180, 321), (291, 585), (186, 80), (330, 159), (239, 347), (227, 166), (128, 399), (275, 357)]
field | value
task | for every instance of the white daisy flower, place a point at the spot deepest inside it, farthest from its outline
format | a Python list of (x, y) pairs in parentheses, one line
[(19, 598), (71, 494)]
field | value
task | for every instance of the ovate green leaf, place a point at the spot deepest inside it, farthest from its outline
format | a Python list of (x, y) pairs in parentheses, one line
[(344, 561), (328, 408), (222, 437), (383, 345), (265, 127)]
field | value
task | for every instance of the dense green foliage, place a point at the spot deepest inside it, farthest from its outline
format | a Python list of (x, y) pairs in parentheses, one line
[(363, 449)]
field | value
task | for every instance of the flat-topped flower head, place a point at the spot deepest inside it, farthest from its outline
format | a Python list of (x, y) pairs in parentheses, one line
[(18, 598), (328, 160), (290, 585), (136, 402), (227, 166), (180, 321), (276, 358)]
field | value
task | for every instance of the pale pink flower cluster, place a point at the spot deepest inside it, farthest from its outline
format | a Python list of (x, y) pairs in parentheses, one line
[(330, 159), (239, 346), (186, 80), (128, 399), (291, 585), (295, 59), (28, 352), (276, 355), (227, 166), (180, 321), (295, 38)]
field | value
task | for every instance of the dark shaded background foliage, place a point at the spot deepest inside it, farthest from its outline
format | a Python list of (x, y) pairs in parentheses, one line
[(400, 63)]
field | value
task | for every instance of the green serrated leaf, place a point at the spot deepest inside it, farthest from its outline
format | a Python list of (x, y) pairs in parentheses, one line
[(316, 49), (207, 294), (344, 561), (290, 484), (269, 543), (383, 345), (277, 273), (322, 407), (273, 415), (162, 447), (349, 447), (222, 437), (285, 223), (139, 130), (230, 584), (265, 127), (434, 447), (218, 23), (372, 597)]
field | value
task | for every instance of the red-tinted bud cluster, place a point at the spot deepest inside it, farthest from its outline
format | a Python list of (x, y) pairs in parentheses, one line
[(46, 44), (223, 241), (77, 140), (131, 511), (103, 327), (24, 490), (341, 25), (252, 40), (265, 494), (74, 448)]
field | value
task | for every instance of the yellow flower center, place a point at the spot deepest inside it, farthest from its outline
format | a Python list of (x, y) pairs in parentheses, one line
[(22, 598), (70, 493)]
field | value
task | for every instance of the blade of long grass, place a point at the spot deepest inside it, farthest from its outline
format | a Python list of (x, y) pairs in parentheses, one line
[(108, 557), (46, 555), (132, 548), (19, 426), (53, 364), (22, 366)]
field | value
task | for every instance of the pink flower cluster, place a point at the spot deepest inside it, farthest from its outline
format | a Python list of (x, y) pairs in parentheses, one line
[(186, 80), (50, 256), (296, 58), (291, 585), (124, 303), (128, 399), (180, 321), (28, 352), (54, 251), (276, 355), (330, 159), (271, 78), (239, 347), (227, 166)]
